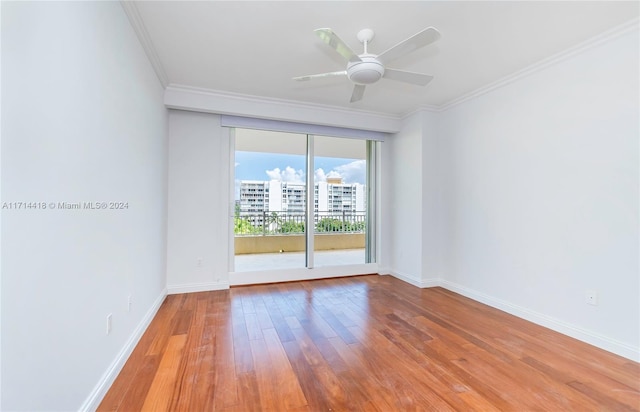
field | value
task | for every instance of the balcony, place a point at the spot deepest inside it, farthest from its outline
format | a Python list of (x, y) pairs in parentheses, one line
[(276, 240), (291, 260)]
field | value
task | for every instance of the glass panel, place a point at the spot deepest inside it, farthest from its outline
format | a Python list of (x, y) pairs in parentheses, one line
[(270, 206), (340, 201)]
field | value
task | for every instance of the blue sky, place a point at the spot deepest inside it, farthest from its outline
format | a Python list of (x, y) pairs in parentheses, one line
[(290, 168)]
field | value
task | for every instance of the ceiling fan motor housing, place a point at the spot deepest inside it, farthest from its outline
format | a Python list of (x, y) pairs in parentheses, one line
[(367, 71)]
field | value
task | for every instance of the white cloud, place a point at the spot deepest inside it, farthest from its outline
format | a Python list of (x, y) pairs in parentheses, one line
[(319, 175), (289, 174), (354, 172), (274, 174)]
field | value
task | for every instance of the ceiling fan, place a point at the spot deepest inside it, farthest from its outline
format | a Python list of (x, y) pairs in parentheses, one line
[(366, 68)]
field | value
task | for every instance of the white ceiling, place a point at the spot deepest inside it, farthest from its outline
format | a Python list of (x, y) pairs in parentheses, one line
[(255, 48)]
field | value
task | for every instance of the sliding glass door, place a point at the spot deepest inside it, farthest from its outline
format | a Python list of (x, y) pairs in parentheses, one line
[(340, 202), (301, 201), (270, 200)]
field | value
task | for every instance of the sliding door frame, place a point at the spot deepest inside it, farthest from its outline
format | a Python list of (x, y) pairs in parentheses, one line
[(310, 271), (309, 231), (370, 248)]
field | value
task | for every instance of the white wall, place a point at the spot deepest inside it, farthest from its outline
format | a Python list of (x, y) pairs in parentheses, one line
[(82, 121), (401, 191), (411, 201), (540, 196), (0, 210), (200, 208), (198, 203), (431, 225)]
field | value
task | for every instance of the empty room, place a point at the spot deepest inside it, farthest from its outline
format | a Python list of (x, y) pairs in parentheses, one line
[(320, 206)]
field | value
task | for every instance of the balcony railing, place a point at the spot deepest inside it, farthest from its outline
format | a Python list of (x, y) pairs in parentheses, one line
[(288, 223)]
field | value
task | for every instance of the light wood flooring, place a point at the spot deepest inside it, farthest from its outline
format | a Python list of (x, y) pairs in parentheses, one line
[(366, 343)]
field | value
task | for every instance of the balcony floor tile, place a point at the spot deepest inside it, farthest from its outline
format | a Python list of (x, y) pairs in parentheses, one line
[(289, 260)]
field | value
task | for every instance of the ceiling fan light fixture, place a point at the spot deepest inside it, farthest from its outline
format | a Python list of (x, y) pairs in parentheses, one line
[(364, 69), (367, 71)]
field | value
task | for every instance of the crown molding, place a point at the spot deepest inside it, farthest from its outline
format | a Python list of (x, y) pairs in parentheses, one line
[(602, 38), (131, 10), (212, 101), (425, 108), (430, 108)]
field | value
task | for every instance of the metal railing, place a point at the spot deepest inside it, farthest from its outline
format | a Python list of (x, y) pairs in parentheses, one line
[(288, 223)]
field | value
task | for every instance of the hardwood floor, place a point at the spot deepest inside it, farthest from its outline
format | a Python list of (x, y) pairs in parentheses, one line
[(366, 343)]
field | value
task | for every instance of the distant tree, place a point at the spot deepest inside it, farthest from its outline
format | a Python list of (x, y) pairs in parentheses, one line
[(357, 227), (291, 226), (329, 225), (244, 227)]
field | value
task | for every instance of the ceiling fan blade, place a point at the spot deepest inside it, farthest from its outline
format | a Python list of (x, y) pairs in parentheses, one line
[(358, 91), (421, 39), (407, 77), (336, 43), (321, 75)]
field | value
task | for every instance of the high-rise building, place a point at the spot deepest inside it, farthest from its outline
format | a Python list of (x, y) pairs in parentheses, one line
[(331, 198)]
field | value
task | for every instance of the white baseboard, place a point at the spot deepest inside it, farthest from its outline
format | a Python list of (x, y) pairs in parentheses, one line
[(590, 337), (384, 271), (196, 287), (95, 397), (603, 342), (421, 283)]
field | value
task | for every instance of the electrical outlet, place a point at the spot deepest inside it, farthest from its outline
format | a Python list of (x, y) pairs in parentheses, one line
[(591, 297), (129, 303), (199, 262), (109, 323)]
